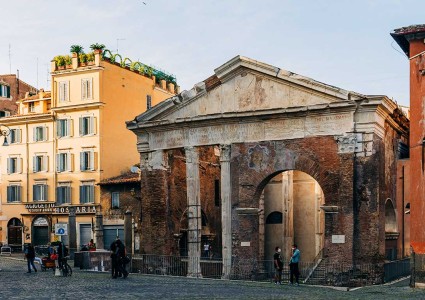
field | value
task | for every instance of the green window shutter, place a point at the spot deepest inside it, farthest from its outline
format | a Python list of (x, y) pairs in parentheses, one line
[(8, 92)]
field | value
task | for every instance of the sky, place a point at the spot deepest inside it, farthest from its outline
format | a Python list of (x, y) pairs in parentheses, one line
[(344, 43)]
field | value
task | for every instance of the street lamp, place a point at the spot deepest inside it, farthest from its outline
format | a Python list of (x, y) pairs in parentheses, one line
[(4, 131)]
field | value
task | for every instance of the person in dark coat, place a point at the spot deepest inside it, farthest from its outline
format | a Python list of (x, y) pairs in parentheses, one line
[(114, 259), (30, 255), (121, 254)]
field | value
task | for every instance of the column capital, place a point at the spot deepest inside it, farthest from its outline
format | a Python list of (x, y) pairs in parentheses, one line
[(225, 151), (191, 154)]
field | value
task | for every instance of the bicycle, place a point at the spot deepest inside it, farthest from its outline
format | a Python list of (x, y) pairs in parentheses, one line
[(66, 268)]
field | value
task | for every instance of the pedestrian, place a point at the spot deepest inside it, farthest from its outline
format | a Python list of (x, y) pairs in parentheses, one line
[(206, 250), (30, 256), (293, 265), (114, 259), (122, 258), (50, 250), (278, 266)]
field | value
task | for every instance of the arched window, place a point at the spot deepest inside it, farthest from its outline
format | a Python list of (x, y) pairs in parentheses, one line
[(274, 218), (390, 217), (14, 222)]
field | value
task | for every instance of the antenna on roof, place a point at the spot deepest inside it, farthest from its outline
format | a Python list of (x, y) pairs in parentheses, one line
[(10, 61), (118, 41)]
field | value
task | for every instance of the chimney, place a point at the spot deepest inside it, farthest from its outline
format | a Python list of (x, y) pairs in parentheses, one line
[(74, 60), (97, 57), (53, 66), (41, 94)]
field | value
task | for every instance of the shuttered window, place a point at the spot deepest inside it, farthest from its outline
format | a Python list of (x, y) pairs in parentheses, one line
[(63, 195), (14, 165), (87, 193), (40, 163), (39, 192), (63, 91), (64, 162), (86, 88), (14, 136), (87, 125), (40, 134), (63, 128), (14, 193), (87, 160)]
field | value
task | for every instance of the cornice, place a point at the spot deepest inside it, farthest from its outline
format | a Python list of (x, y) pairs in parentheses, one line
[(83, 106)]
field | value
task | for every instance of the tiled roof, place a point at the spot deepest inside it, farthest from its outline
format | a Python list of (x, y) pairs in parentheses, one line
[(36, 97), (124, 178), (410, 29), (399, 35)]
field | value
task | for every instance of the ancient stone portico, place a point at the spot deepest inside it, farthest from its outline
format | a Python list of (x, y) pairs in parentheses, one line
[(208, 155)]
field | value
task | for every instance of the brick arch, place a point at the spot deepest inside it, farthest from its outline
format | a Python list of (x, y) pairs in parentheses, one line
[(327, 180)]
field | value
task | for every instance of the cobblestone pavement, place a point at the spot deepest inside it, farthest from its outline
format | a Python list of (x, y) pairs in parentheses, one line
[(15, 283)]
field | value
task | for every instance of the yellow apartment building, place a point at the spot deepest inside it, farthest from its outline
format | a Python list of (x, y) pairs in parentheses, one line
[(62, 143)]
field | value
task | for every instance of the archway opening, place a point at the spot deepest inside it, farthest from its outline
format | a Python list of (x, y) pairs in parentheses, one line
[(14, 233), (391, 231), (290, 203)]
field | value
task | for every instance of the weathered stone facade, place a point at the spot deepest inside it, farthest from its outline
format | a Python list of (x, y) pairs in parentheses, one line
[(248, 123)]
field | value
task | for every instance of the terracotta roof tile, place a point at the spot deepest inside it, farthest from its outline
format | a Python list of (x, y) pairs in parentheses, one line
[(124, 178)]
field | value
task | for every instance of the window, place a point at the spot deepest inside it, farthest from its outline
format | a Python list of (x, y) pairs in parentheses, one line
[(87, 125), (4, 113), (63, 194), (86, 89), (87, 192), (39, 163), (63, 128), (115, 200), (31, 107), (63, 91), (4, 91), (87, 160), (64, 162), (148, 102), (14, 136), (14, 165), (40, 134), (39, 192), (14, 193)]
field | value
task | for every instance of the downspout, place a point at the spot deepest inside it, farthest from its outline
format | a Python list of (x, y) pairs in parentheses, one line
[(27, 161)]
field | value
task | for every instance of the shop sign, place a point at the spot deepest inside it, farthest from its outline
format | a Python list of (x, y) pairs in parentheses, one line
[(53, 209), (61, 229), (41, 222)]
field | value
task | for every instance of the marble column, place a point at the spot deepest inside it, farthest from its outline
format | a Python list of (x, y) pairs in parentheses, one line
[(288, 213), (226, 210), (193, 212)]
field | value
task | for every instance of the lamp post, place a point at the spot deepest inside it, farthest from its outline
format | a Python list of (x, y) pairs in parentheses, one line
[(4, 131)]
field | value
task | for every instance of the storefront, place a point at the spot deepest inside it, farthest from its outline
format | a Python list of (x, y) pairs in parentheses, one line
[(39, 223)]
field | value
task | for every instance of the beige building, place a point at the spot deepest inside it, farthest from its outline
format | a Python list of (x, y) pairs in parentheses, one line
[(62, 143)]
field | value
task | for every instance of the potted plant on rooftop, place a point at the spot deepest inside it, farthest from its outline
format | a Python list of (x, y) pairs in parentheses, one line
[(82, 57), (60, 61), (97, 48), (68, 61), (76, 49), (90, 58)]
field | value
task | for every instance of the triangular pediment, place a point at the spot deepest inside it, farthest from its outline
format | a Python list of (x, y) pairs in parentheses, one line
[(243, 85)]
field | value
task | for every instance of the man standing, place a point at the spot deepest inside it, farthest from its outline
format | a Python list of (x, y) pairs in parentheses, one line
[(114, 259), (293, 265), (121, 258), (278, 266), (30, 255)]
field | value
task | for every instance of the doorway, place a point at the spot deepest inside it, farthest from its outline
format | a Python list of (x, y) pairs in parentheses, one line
[(14, 233), (291, 203)]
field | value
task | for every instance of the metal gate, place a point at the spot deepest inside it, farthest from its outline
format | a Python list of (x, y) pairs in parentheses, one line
[(85, 234)]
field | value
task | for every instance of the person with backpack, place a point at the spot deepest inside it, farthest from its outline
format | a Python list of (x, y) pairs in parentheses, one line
[(122, 257), (30, 256)]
